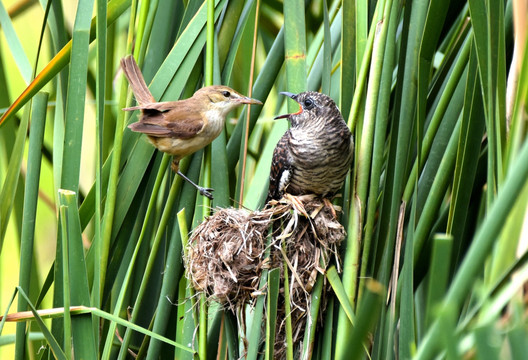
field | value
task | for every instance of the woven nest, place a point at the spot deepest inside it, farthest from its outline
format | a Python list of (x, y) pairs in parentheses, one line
[(226, 255)]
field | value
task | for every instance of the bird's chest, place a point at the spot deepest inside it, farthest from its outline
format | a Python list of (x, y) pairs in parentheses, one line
[(319, 163), (215, 124), (306, 147)]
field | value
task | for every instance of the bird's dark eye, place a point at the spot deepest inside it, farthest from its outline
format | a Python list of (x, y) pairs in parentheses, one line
[(308, 103), (226, 94)]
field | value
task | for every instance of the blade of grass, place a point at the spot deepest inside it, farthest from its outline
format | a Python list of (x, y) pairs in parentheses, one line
[(313, 315), (328, 329), (82, 326), (101, 33), (9, 188), (406, 312), (234, 41), (160, 231), (480, 247), (414, 18), (245, 145), (349, 279), (271, 314), (192, 34), (73, 130), (3, 318), (107, 221), (516, 337), (358, 100), (368, 314), (287, 310), (327, 52), (229, 32), (59, 61), (339, 290), (380, 134), (348, 58), (123, 289), (14, 44), (36, 136), (439, 275), (206, 169), (469, 148), (254, 331), (57, 351), (315, 58), (437, 191), (447, 322), (261, 90), (449, 96), (63, 213), (40, 315), (231, 336), (76, 97), (295, 48), (366, 142), (137, 328), (433, 24), (487, 342), (187, 327), (173, 273)]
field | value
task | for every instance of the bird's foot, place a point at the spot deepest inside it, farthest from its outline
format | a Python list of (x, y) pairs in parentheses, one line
[(297, 203), (205, 192), (330, 206)]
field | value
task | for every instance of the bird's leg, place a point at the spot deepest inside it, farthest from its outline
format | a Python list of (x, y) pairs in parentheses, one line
[(175, 166), (203, 191), (297, 203)]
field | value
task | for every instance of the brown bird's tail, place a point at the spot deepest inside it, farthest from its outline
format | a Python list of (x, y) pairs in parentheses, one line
[(136, 81)]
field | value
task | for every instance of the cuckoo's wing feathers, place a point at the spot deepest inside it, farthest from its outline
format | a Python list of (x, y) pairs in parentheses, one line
[(281, 170)]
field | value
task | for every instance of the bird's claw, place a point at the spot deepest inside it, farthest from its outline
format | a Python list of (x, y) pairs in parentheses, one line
[(206, 192), (330, 206)]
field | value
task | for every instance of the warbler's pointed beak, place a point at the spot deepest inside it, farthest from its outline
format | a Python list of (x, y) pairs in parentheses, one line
[(293, 96), (248, 100)]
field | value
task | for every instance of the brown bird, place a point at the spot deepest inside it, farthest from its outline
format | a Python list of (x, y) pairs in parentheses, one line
[(180, 128), (315, 154)]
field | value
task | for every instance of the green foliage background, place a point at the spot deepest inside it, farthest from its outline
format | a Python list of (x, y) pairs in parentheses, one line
[(91, 215)]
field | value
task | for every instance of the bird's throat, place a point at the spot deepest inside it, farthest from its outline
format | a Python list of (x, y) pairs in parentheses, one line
[(216, 121)]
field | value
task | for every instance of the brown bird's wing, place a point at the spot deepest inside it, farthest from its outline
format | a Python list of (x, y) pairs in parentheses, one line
[(154, 107), (136, 80), (281, 170), (168, 119)]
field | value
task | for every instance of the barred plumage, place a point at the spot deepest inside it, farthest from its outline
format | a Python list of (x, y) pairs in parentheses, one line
[(315, 154)]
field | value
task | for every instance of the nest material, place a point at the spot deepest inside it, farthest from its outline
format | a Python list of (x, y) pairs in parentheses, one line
[(226, 254)]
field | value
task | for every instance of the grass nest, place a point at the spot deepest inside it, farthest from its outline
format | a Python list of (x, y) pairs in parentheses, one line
[(226, 255)]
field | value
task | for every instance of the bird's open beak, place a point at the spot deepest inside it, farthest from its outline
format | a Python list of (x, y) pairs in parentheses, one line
[(289, 94), (293, 96), (248, 100)]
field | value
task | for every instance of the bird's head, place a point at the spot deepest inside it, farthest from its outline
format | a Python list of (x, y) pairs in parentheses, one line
[(314, 108), (222, 98)]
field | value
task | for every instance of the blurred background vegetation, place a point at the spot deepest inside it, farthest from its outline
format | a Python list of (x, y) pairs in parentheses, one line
[(435, 260)]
